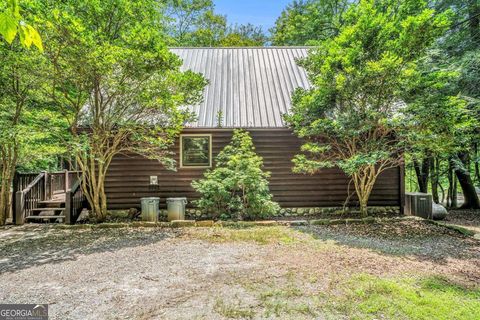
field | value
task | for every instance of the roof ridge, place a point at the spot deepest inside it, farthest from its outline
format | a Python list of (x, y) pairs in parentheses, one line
[(246, 47)]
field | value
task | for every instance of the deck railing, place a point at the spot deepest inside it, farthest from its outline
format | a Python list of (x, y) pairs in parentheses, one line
[(60, 182), (27, 199), (20, 182)]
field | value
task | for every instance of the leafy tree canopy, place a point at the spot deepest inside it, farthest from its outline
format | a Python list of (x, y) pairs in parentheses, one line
[(348, 116), (195, 23), (437, 119), (307, 22)]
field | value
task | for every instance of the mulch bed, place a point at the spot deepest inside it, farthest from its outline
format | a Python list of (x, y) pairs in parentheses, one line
[(464, 217), (406, 229)]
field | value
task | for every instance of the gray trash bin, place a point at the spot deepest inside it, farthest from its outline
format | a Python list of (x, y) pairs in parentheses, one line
[(176, 208), (150, 209)]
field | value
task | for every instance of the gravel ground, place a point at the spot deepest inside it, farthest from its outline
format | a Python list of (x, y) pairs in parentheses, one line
[(143, 273)]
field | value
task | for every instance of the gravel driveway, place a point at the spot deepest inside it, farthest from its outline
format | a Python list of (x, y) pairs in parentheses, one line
[(146, 273)]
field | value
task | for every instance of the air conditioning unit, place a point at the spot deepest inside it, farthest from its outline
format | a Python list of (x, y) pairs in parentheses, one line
[(418, 204)]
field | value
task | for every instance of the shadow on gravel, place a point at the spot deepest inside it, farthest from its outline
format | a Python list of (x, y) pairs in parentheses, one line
[(22, 248), (421, 239)]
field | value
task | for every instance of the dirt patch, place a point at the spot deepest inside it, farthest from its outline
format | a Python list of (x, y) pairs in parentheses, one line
[(220, 273)]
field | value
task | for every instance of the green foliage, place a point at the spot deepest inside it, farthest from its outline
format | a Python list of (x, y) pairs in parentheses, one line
[(12, 23), (121, 77), (238, 187), (437, 121), (116, 83), (245, 35), (29, 124), (443, 109), (195, 23), (307, 22), (350, 115), (459, 51)]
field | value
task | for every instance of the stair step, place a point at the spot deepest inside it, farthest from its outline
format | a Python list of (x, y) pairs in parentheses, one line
[(45, 217), (48, 209), (52, 202)]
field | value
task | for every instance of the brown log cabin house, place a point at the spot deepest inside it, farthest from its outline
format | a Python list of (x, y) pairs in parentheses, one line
[(249, 88)]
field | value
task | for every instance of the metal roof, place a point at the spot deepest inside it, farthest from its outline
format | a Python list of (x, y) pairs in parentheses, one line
[(251, 87)]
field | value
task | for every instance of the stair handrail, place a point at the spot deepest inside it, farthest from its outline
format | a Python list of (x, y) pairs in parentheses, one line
[(34, 182), (76, 185), (25, 201), (74, 201)]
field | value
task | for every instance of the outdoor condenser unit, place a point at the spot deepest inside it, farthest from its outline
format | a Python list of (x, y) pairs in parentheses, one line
[(418, 204)]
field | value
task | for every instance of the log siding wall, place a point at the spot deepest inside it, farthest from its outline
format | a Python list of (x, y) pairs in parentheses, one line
[(128, 178)]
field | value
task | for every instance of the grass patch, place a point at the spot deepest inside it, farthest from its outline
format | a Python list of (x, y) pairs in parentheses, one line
[(368, 297), (233, 311), (285, 300), (365, 297), (260, 235), (466, 232)]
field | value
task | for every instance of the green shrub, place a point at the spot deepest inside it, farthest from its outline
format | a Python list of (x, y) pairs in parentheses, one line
[(238, 187)]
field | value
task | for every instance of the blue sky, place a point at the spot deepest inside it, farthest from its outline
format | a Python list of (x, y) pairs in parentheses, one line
[(259, 12)]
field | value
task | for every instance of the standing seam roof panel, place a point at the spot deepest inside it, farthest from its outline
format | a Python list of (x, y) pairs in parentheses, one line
[(283, 85), (262, 83), (251, 86), (277, 98)]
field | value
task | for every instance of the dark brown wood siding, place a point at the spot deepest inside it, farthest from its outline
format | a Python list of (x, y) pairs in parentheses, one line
[(128, 177)]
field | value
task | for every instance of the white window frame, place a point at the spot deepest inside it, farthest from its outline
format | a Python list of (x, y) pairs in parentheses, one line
[(187, 135)]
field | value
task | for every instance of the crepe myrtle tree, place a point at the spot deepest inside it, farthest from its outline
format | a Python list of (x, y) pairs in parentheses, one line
[(118, 85), (348, 116)]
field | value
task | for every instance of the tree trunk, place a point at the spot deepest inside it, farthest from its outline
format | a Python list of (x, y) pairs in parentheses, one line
[(422, 173), (9, 162), (4, 199), (471, 200), (434, 179), (454, 192), (363, 208), (93, 182), (364, 180), (477, 167), (5, 195), (450, 177), (452, 185)]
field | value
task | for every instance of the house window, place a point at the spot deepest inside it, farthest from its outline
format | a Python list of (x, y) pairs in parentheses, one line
[(195, 150)]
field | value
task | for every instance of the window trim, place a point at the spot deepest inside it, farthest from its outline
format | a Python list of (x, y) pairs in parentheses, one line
[(209, 135)]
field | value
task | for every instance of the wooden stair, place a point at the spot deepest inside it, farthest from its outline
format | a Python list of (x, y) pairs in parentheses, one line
[(48, 197), (49, 210)]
